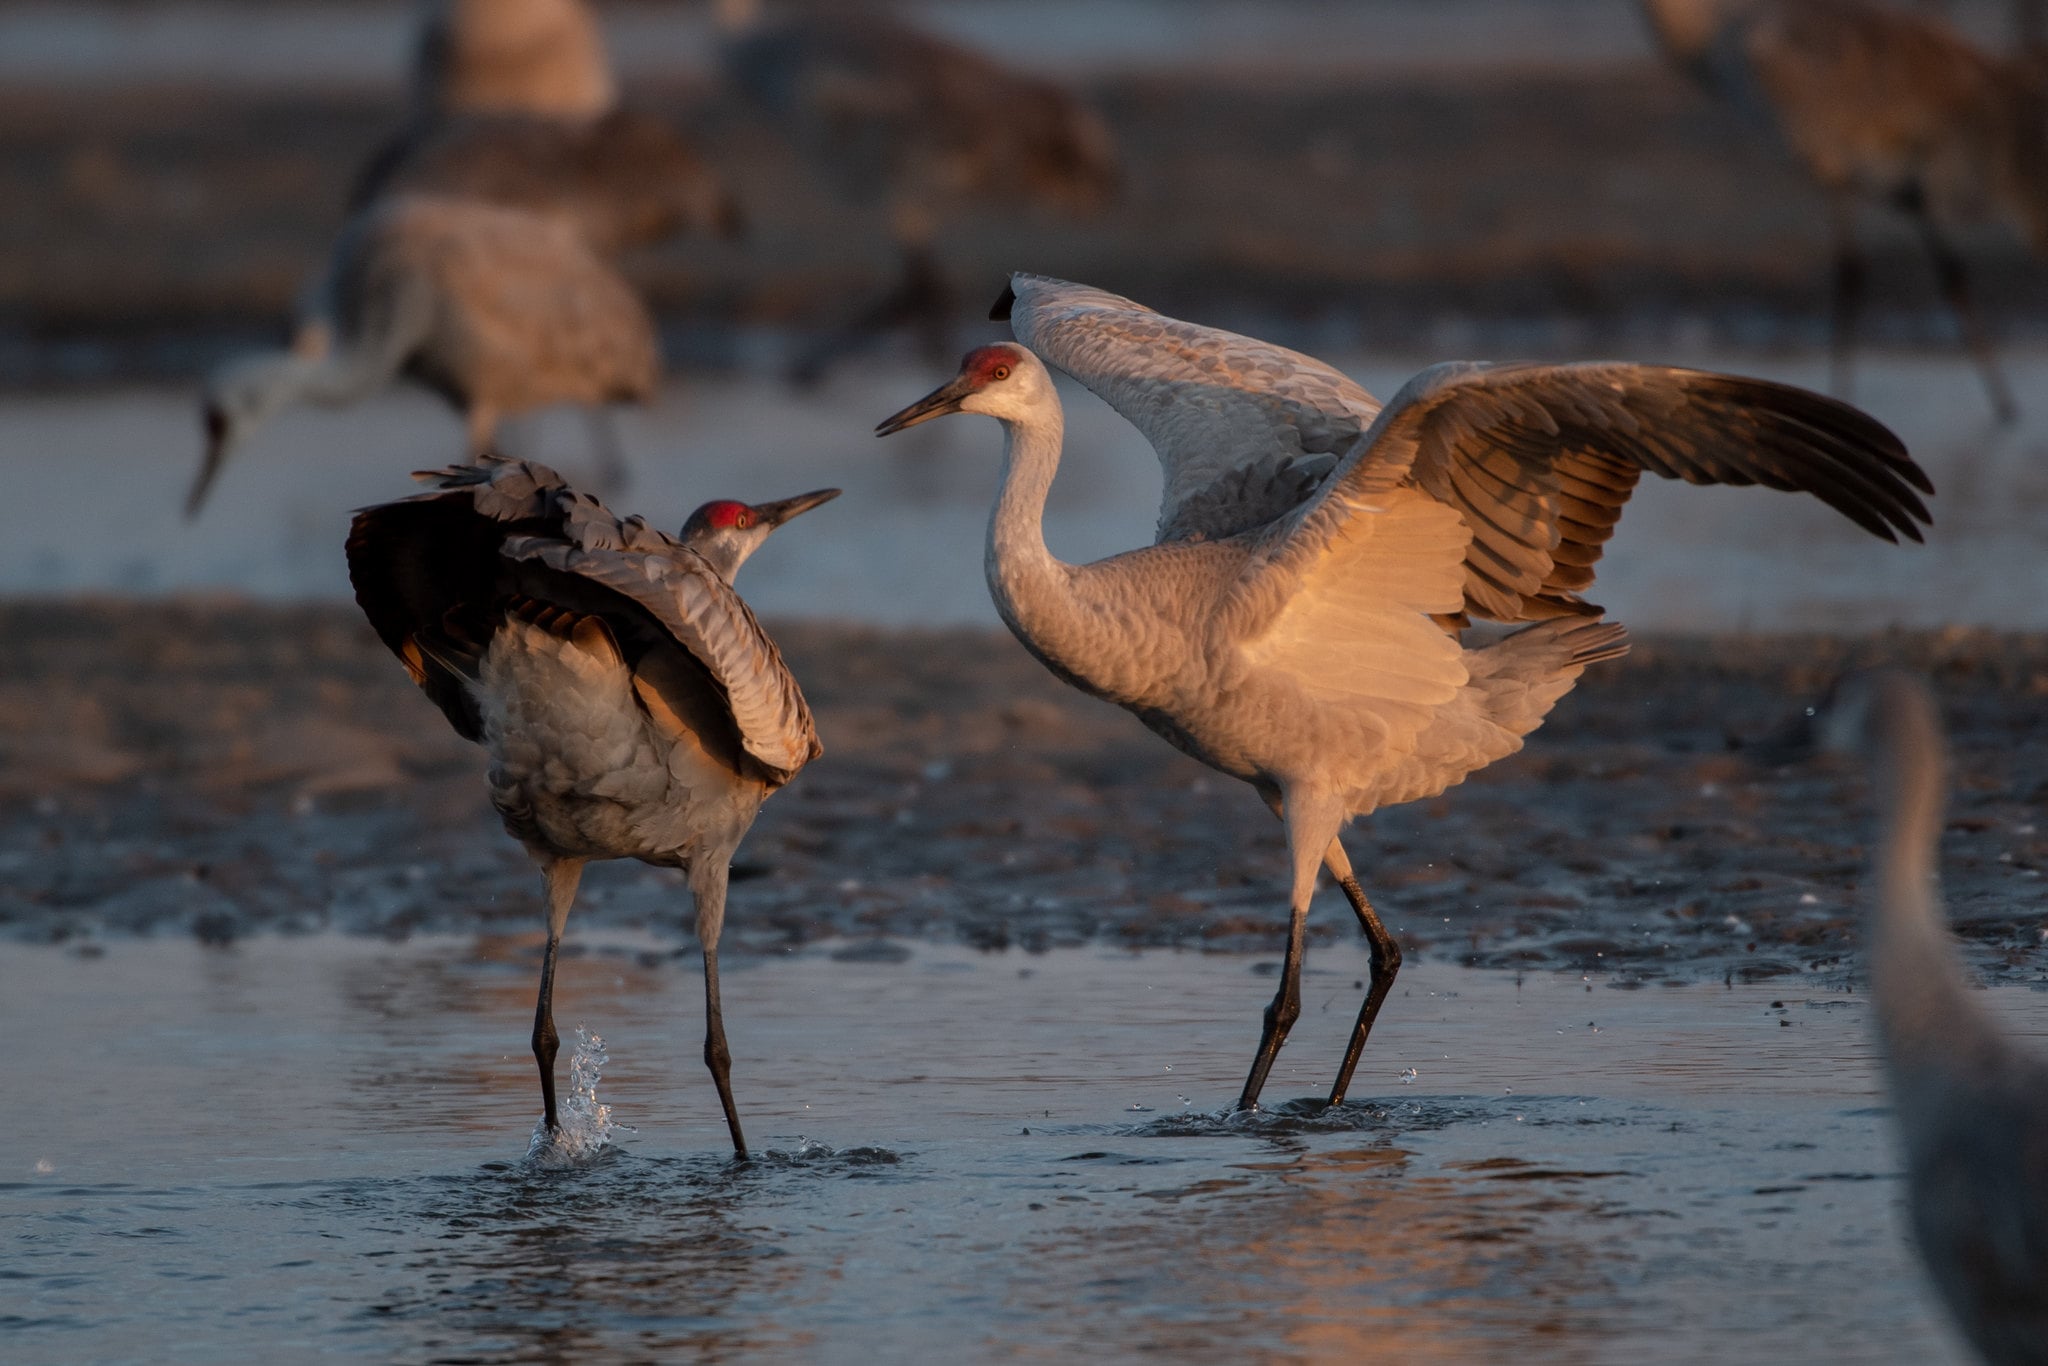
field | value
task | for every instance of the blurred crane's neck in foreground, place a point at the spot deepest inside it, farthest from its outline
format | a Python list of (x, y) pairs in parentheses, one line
[(1928, 1020)]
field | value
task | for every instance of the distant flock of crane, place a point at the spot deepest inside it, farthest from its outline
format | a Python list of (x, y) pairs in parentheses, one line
[(1299, 622)]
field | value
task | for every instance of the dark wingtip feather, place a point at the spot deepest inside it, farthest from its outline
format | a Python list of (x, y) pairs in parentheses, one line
[(999, 311)]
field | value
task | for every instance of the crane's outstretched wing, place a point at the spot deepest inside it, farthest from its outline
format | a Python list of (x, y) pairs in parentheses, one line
[(426, 571), (1352, 625), (1538, 460), (433, 572), (1245, 431)]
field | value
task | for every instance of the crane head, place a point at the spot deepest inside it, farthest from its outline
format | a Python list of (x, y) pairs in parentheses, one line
[(1003, 381), (726, 532)]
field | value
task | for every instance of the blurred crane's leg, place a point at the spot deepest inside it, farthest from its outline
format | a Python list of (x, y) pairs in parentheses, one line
[(611, 474), (482, 422), (1955, 289), (1385, 965), (1846, 301), (562, 875), (921, 299), (708, 874)]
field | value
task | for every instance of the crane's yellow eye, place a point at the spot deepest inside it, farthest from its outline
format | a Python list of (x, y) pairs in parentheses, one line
[(744, 520), (1001, 372)]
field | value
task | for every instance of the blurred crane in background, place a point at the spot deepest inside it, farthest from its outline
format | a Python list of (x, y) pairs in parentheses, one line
[(511, 57), (497, 310), (1889, 107), (1296, 622), (624, 179), (631, 704), (1972, 1105), (515, 104), (885, 111)]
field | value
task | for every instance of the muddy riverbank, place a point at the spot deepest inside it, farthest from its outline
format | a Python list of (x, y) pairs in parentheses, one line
[(221, 769)]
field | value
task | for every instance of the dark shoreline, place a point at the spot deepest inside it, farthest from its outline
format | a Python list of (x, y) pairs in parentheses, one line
[(217, 768)]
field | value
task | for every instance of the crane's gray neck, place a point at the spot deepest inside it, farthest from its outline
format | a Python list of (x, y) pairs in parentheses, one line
[(1029, 585), (1924, 1008)]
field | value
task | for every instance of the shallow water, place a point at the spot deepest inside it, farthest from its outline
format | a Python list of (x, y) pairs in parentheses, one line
[(107, 471), (313, 1145)]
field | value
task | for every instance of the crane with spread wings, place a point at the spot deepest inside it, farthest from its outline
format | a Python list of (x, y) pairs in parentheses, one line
[(1297, 622)]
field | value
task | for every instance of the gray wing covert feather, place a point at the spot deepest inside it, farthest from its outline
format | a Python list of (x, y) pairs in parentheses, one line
[(702, 614), (427, 571), (1236, 422), (1539, 460)]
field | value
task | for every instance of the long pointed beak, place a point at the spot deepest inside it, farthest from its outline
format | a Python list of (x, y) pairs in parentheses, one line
[(210, 465), (775, 514), (939, 402)]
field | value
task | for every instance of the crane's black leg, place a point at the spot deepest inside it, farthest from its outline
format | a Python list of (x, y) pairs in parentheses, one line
[(1312, 821), (708, 875), (717, 1056), (1385, 966), (1846, 301), (1281, 1014), (1953, 277), (562, 876)]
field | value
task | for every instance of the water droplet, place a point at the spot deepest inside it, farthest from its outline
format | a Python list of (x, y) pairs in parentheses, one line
[(585, 1127), (1408, 1076)]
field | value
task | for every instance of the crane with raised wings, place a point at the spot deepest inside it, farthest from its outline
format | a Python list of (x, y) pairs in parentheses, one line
[(1297, 622)]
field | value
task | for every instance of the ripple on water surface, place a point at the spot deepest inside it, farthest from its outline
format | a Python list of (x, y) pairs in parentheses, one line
[(253, 1147)]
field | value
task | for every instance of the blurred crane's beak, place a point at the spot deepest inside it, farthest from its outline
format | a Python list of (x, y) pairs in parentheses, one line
[(209, 465), (938, 403), (773, 515)]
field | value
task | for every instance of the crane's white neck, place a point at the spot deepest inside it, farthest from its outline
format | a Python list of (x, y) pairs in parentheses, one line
[(1029, 585)]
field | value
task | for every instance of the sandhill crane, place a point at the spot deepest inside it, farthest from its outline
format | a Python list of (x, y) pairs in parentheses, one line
[(887, 111), (631, 705), (625, 179), (1972, 1106), (1885, 106), (497, 310), (1295, 623), (511, 57)]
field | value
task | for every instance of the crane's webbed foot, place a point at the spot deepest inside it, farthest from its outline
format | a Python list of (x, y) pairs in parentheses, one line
[(1385, 966), (1281, 1014)]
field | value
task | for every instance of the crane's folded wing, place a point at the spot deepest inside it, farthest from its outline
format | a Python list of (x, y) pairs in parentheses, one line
[(699, 611)]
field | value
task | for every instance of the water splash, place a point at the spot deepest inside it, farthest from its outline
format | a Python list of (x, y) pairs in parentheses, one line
[(586, 1127)]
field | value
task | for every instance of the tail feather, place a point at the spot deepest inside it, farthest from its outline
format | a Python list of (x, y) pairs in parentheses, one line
[(1523, 675)]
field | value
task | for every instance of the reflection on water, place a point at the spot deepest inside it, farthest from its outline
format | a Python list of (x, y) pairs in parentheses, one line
[(314, 1142)]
